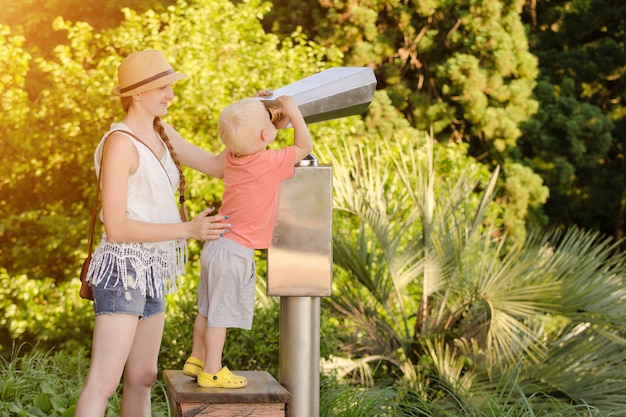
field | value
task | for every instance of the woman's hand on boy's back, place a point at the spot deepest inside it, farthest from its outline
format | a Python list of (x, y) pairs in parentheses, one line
[(205, 227)]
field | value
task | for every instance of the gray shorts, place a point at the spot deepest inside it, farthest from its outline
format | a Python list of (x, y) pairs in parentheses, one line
[(227, 284)]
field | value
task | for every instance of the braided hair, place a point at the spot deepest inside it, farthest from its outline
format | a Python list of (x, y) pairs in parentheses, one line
[(158, 126)]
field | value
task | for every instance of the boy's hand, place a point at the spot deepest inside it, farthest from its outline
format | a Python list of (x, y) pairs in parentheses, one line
[(264, 93), (288, 108), (302, 137)]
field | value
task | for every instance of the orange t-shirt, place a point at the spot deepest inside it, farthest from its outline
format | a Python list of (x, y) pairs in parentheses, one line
[(252, 193)]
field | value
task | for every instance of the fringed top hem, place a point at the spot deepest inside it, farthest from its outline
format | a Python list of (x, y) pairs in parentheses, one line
[(157, 272)]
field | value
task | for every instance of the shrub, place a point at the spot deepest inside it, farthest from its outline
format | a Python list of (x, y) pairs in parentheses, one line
[(42, 313)]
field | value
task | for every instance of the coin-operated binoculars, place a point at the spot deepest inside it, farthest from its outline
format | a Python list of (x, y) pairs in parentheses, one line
[(331, 94), (299, 261)]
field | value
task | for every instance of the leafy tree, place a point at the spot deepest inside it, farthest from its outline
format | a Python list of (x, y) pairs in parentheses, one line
[(576, 140), (30, 16), (460, 69), (569, 143), (35, 214)]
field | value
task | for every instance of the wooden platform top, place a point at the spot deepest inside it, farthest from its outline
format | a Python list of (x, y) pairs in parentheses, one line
[(262, 388)]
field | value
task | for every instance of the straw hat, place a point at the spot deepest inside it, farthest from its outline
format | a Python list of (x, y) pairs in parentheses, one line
[(143, 71)]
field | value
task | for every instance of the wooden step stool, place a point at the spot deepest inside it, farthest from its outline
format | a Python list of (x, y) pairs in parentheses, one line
[(263, 397)]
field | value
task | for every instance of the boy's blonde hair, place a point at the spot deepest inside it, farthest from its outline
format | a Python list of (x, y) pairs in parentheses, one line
[(239, 125)]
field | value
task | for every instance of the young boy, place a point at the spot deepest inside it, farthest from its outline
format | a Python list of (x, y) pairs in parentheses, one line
[(252, 178)]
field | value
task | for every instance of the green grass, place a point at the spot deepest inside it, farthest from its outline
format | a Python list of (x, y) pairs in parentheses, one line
[(36, 383), (40, 383), (339, 400)]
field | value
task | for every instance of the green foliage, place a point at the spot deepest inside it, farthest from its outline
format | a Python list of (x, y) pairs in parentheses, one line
[(461, 70), (429, 292), (508, 399), (40, 383), (346, 401), (12, 81), (525, 193), (575, 141), (43, 313), (446, 64), (29, 16), (43, 383), (42, 196), (35, 220)]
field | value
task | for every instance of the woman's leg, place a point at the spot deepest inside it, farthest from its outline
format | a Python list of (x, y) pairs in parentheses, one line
[(113, 336), (141, 367)]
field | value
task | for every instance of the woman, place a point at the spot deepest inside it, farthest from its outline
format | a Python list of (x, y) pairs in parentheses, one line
[(143, 250)]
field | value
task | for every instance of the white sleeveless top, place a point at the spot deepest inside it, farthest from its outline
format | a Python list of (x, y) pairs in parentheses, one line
[(158, 265)]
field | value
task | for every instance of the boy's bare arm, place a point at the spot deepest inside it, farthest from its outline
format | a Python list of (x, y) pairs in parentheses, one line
[(302, 137)]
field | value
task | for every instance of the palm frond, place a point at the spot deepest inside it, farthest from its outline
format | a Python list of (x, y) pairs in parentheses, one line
[(587, 365), (425, 274), (450, 366)]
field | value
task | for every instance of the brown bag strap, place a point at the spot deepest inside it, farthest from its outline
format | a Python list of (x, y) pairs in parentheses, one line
[(92, 222), (131, 134), (181, 199)]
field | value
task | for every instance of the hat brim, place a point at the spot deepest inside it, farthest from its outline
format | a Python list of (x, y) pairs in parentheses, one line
[(160, 82)]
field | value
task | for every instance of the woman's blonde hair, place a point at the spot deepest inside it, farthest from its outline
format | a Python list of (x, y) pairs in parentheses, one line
[(240, 124)]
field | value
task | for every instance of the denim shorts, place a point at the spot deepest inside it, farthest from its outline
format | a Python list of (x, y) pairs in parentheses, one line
[(110, 297)]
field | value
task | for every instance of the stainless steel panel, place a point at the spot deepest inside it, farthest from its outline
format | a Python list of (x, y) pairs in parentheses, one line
[(299, 262)]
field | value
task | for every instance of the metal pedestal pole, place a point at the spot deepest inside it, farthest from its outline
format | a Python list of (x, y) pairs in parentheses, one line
[(300, 353)]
